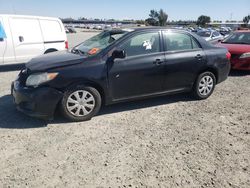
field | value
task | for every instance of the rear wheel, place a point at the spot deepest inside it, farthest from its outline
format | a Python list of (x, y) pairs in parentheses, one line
[(204, 85), (81, 103), (50, 51)]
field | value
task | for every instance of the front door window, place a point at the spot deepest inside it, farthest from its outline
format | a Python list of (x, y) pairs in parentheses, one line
[(142, 44)]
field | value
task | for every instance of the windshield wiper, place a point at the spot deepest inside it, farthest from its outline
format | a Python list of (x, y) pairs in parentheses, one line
[(77, 51)]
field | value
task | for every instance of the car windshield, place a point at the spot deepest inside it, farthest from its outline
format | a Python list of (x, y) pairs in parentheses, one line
[(99, 42), (204, 33), (238, 38)]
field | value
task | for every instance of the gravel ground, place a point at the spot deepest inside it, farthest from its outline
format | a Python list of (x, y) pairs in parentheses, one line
[(169, 141)]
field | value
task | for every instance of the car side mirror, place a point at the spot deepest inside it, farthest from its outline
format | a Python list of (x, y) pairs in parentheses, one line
[(119, 54), (219, 40)]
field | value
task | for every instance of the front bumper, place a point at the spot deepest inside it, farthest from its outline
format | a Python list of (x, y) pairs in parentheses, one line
[(36, 102)]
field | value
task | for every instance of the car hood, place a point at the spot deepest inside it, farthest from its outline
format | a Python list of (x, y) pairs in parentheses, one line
[(54, 60), (236, 48)]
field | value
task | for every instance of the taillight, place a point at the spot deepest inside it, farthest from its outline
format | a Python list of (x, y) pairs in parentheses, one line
[(228, 55), (66, 45)]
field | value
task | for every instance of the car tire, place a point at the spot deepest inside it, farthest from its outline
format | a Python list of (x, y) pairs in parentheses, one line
[(204, 85), (81, 103)]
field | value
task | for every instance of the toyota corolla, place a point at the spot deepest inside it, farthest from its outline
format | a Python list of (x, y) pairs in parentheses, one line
[(117, 66)]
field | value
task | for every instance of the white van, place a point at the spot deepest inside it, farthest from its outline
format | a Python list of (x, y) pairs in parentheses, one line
[(24, 37)]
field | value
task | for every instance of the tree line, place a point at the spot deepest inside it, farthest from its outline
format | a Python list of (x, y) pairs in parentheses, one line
[(160, 18)]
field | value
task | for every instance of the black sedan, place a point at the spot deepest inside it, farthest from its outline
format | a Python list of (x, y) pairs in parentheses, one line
[(116, 66)]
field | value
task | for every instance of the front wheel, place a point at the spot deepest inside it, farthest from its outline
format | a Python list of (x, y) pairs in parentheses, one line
[(204, 85), (81, 103)]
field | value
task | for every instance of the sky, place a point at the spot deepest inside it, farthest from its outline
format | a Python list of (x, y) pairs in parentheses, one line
[(129, 9)]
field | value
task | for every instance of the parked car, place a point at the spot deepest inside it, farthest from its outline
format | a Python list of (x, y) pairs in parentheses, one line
[(71, 30), (195, 30), (225, 31), (238, 45), (117, 66), (210, 36), (226, 28), (107, 27), (29, 36), (66, 30), (99, 27)]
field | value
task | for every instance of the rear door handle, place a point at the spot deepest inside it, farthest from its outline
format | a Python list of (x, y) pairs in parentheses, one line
[(158, 62)]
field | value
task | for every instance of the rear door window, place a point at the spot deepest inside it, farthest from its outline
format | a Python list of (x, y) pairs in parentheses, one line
[(180, 42)]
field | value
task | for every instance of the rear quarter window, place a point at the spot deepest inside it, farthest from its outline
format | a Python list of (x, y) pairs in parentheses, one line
[(52, 30)]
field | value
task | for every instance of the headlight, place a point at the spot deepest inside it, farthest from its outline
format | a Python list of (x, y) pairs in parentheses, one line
[(245, 55), (40, 78)]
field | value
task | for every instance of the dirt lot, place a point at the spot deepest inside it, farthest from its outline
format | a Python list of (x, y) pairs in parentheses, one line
[(169, 141)]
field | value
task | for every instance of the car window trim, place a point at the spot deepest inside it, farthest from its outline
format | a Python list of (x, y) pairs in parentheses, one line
[(181, 51), (143, 55)]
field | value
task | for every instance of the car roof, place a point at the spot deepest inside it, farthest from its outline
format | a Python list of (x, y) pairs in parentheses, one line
[(27, 16), (150, 28), (154, 27)]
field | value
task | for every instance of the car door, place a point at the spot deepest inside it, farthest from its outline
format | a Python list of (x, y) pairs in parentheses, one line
[(141, 72), (2, 42), (184, 59), (27, 38)]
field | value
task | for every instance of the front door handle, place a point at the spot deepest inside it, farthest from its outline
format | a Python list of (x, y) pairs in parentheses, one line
[(21, 39), (198, 56), (158, 62)]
